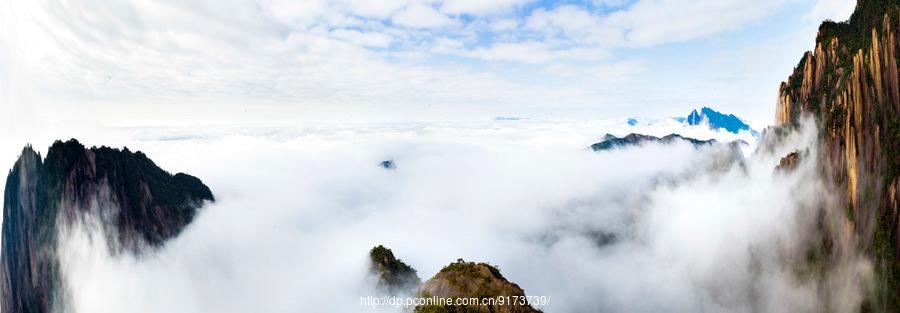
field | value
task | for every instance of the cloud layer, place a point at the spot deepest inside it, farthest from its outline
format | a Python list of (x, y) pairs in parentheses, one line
[(623, 230), (419, 58)]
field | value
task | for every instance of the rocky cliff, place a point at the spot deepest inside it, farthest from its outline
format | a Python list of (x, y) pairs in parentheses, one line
[(139, 205), (849, 84), (479, 287), (480, 281), (394, 276)]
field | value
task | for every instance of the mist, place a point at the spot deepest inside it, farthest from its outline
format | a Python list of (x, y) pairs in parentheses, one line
[(700, 229)]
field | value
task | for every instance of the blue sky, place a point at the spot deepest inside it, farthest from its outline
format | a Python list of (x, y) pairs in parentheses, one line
[(275, 61)]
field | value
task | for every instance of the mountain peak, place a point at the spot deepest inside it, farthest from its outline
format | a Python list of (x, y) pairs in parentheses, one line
[(139, 204), (463, 279), (694, 118), (610, 142), (394, 276), (29, 154), (717, 120)]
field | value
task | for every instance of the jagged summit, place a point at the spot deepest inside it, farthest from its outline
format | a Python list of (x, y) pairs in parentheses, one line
[(707, 116), (610, 142), (139, 205), (717, 120)]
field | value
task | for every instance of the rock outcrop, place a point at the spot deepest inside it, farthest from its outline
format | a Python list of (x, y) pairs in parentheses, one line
[(479, 285), (139, 205), (849, 84), (394, 276), (388, 164), (463, 279), (789, 162)]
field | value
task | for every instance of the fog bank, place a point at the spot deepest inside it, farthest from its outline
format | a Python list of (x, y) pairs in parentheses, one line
[(649, 229)]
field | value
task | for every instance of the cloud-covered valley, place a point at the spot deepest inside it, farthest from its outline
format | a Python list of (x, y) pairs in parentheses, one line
[(655, 228)]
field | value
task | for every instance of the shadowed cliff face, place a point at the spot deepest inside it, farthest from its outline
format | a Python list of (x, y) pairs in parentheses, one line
[(394, 276), (850, 84), (138, 204)]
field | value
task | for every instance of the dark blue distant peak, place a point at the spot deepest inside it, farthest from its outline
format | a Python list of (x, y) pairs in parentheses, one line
[(695, 118), (718, 120), (388, 164), (632, 121)]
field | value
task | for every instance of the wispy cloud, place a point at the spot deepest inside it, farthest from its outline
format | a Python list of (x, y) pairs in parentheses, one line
[(325, 54)]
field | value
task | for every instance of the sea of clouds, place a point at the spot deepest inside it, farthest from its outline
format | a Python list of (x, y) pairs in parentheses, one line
[(656, 228)]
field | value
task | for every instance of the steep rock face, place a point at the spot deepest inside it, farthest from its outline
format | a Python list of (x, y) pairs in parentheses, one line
[(789, 162), (472, 280), (850, 85), (139, 205), (394, 276)]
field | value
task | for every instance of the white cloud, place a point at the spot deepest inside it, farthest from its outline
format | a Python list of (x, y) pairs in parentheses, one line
[(532, 52), (651, 22), (568, 19), (504, 24), (421, 16), (332, 57), (611, 3), (835, 10), (379, 9), (648, 22), (297, 209), (481, 7), (527, 52), (296, 12), (368, 39), (608, 73), (447, 45)]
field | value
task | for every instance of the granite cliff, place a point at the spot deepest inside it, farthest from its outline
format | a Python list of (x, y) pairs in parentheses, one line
[(394, 276), (139, 206), (849, 85)]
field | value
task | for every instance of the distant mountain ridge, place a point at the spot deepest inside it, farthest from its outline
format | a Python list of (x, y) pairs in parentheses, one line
[(717, 120), (706, 116), (610, 142)]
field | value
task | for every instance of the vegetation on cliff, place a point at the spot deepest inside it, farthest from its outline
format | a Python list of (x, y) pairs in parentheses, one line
[(850, 85), (472, 280), (139, 204), (394, 276), (610, 142)]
